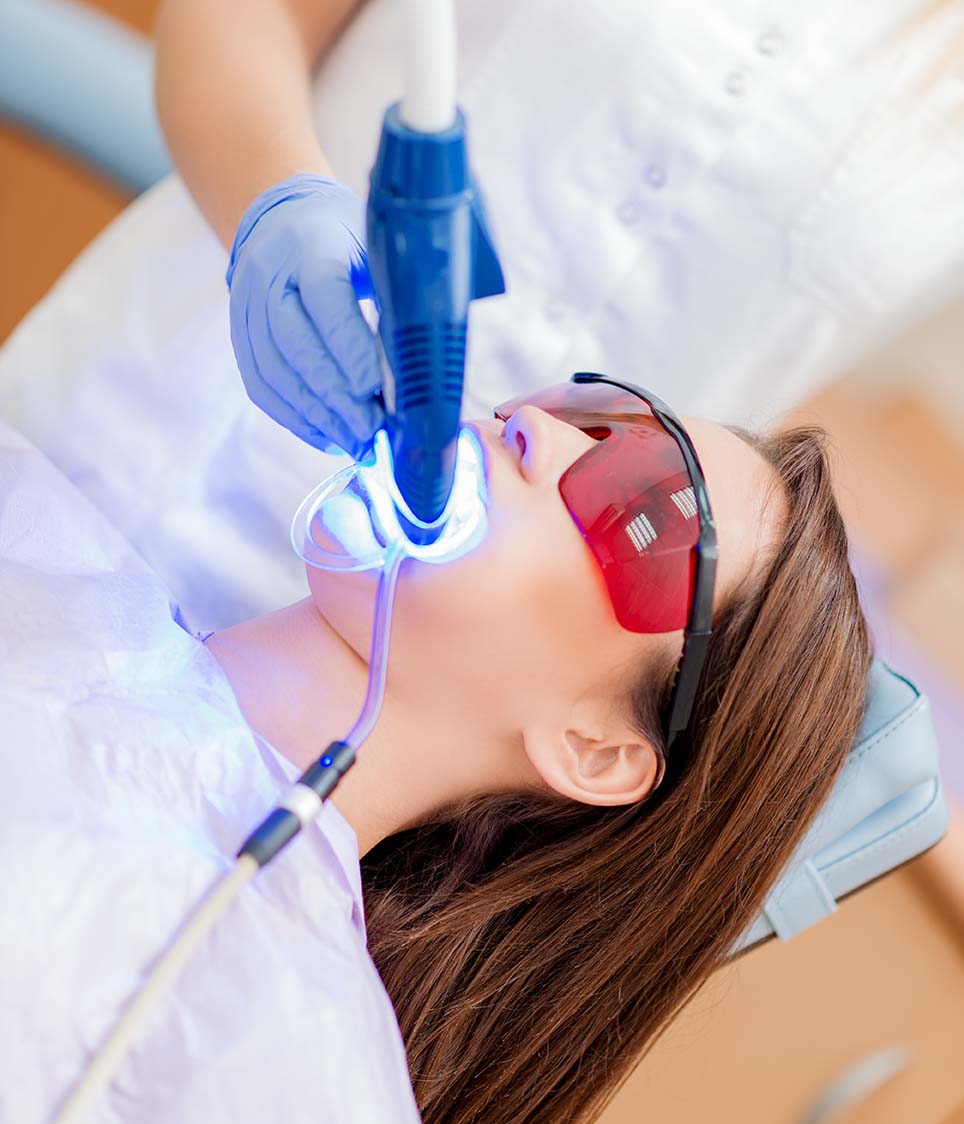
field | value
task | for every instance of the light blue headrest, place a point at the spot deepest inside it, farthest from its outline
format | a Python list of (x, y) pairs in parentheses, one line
[(73, 74), (886, 807)]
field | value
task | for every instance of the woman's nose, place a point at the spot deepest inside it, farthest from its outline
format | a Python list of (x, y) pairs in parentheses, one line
[(528, 435), (547, 445)]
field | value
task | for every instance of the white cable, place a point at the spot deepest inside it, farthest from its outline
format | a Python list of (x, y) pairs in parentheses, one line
[(428, 38), (162, 975)]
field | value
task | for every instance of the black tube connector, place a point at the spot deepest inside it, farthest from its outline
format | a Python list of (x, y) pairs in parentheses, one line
[(274, 833), (282, 826), (328, 770)]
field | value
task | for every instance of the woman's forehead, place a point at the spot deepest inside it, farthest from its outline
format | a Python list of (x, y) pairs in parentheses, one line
[(746, 499)]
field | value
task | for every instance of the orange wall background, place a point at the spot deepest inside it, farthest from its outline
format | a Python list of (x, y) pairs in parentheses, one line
[(50, 207)]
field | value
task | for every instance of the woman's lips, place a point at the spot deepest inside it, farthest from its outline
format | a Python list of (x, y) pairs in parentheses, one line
[(494, 444)]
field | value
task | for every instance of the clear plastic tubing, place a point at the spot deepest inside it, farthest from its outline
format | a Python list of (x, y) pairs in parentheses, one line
[(378, 660)]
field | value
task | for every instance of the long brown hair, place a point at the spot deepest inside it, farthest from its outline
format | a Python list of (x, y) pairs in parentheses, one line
[(534, 947)]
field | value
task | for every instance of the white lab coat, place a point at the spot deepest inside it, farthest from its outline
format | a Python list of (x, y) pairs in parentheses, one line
[(724, 202)]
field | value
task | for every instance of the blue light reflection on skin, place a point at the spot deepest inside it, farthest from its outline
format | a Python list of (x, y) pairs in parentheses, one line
[(357, 507)]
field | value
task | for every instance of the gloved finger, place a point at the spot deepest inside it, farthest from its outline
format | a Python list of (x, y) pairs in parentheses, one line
[(365, 416), (329, 298), (297, 338), (258, 390), (285, 383), (352, 424), (298, 341), (322, 383)]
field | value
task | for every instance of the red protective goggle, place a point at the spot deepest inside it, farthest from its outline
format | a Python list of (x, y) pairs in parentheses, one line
[(638, 497)]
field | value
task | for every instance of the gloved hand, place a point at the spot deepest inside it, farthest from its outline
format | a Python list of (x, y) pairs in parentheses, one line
[(307, 356)]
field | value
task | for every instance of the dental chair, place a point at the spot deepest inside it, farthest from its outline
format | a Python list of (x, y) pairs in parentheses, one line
[(83, 80), (73, 75), (886, 808)]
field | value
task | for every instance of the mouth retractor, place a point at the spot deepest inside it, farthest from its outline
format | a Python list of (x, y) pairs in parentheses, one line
[(350, 521)]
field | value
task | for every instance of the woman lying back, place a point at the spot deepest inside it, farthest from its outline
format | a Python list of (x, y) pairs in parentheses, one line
[(547, 879)]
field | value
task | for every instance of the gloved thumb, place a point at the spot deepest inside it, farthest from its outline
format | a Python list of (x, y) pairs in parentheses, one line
[(361, 279)]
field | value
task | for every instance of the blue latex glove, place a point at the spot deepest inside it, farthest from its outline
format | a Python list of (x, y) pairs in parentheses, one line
[(307, 357)]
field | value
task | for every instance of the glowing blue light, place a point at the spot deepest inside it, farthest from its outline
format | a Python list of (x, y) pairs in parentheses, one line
[(347, 515), (356, 510), (464, 517)]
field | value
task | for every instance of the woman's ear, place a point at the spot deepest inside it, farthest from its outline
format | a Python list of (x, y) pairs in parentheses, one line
[(596, 757)]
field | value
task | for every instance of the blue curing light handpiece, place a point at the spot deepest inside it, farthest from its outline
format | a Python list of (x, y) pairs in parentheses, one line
[(430, 254)]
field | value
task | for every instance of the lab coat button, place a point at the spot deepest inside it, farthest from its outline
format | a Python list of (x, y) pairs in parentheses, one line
[(655, 175), (736, 83), (628, 212), (770, 43)]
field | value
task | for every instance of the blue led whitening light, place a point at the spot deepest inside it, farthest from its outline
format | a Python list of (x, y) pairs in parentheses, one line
[(350, 521)]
